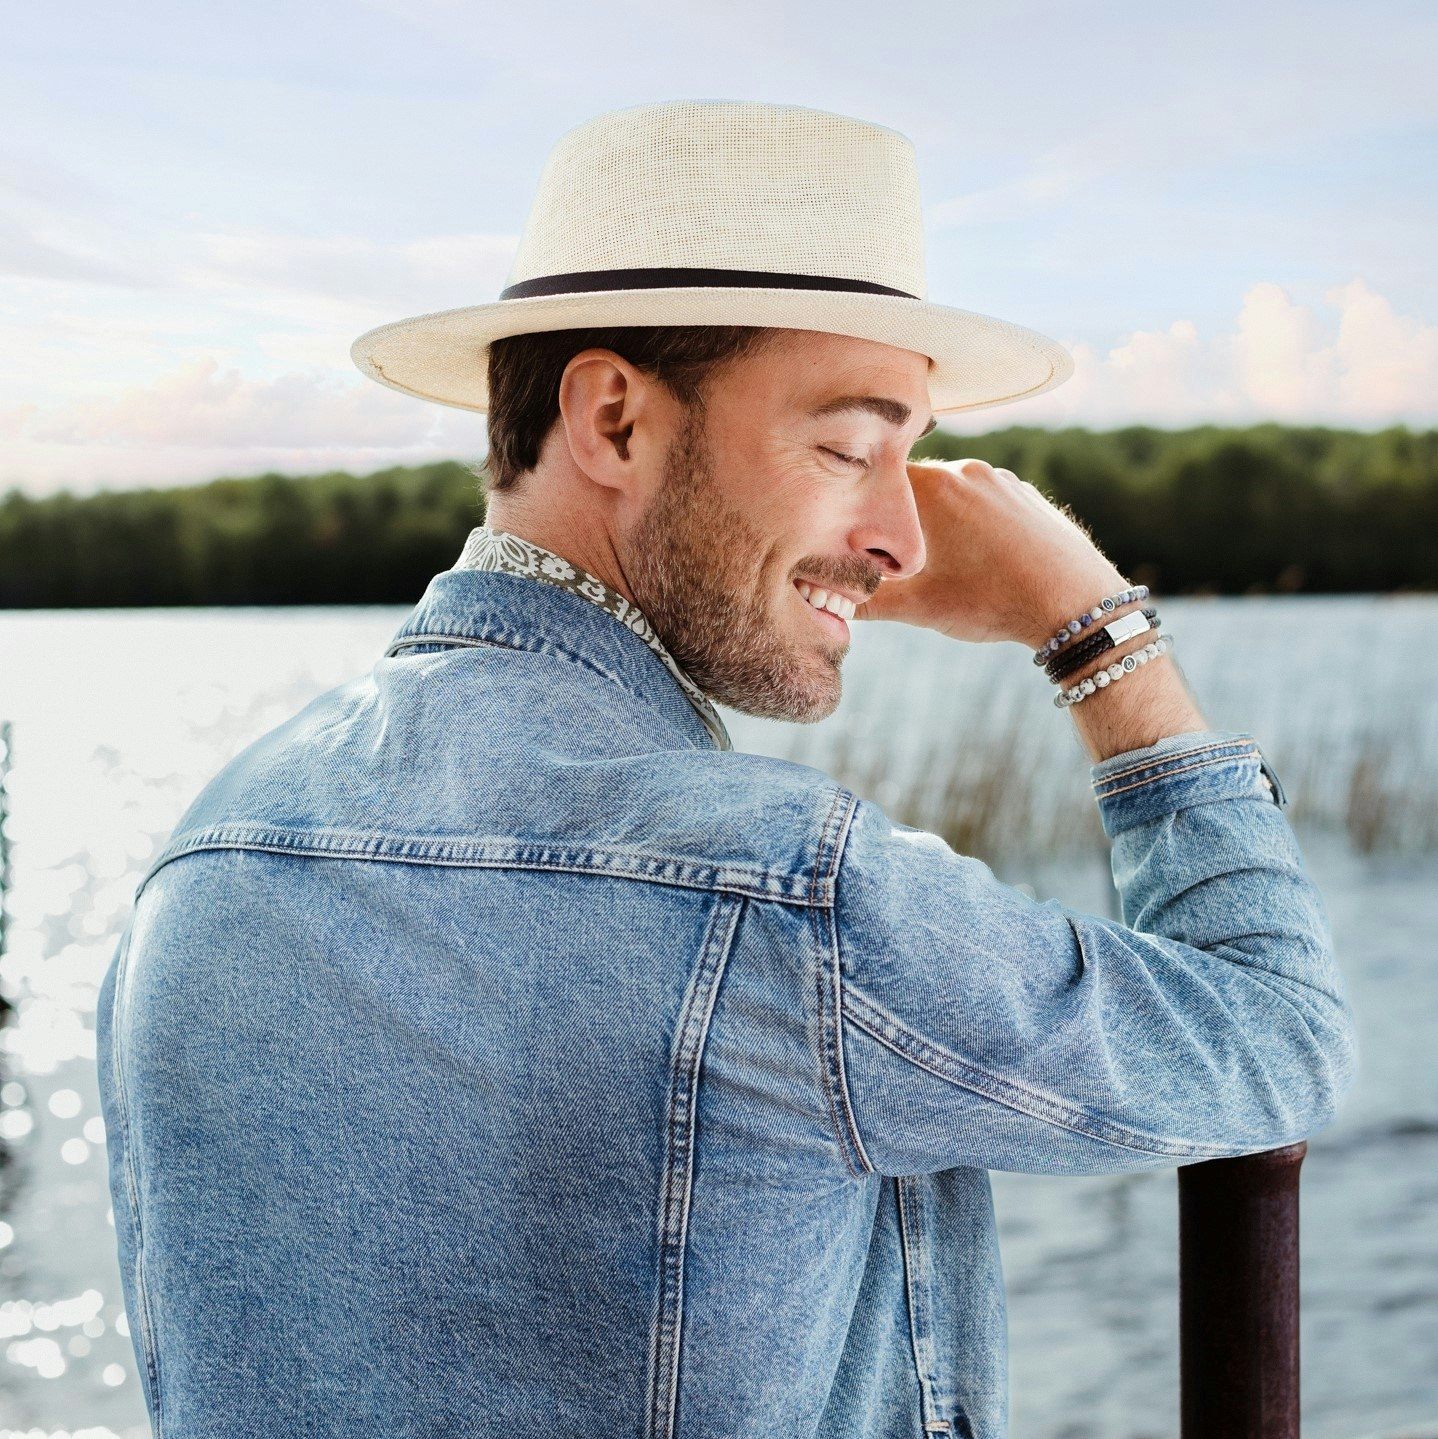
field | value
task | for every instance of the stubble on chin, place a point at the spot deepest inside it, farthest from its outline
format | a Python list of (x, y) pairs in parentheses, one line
[(695, 567)]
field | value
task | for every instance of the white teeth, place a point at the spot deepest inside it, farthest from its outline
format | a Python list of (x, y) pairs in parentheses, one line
[(823, 600)]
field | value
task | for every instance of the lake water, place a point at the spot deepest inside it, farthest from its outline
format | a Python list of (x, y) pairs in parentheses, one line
[(120, 716)]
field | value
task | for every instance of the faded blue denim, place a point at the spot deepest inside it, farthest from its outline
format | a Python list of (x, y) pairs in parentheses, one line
[(489, 1054)]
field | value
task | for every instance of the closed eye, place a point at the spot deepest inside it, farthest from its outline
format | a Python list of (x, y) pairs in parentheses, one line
[(847, 459)]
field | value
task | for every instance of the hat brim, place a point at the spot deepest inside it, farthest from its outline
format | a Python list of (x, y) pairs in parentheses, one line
[(976, 361)]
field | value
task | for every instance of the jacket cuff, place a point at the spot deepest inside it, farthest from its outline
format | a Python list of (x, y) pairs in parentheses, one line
[(1181, 770)]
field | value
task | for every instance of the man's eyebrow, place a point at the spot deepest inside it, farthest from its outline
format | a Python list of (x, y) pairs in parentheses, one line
[(896, 412)]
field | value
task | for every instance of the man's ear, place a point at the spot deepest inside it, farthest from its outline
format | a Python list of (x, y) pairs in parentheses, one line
[(614, 419)]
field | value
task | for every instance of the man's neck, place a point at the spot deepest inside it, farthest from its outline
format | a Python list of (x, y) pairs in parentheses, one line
[(494, 546), (582, 540)]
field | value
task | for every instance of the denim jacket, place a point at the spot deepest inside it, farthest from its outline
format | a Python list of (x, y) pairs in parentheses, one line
[(489, 1053)]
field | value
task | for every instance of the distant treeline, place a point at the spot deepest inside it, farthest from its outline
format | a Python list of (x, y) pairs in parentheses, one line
[(272, 540), (1209, 510)]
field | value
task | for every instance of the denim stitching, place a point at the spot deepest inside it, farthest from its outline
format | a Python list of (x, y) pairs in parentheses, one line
[(778, 887), (693, 1030), (911, 1240), (522, 644), (1176, 754), (816, 886), (826, 1066), (442, 637), (1239, 747), (833, 1043), (1180, 769), (892, 1032)]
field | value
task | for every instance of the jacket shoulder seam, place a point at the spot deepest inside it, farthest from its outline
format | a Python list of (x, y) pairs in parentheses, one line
[(620, 862)]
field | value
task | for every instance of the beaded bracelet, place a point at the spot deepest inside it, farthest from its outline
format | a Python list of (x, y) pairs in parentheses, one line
[(1089, 617), (1109, 637), (1115, 672)]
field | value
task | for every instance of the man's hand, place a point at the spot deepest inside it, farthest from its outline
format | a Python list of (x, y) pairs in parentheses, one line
[(1003, 562)]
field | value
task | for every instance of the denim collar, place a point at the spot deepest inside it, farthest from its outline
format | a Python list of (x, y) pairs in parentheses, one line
[(493, 549), (533, 612)]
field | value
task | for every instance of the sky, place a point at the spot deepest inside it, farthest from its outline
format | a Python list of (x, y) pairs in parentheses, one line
[(1227, 212)]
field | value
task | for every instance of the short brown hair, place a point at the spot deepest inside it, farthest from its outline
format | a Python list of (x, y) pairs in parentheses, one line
[(525, 370)]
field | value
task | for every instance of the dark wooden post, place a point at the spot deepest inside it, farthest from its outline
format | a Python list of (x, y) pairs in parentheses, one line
[(1238, 1295)]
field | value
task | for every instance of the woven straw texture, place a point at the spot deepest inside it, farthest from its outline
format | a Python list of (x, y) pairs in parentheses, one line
[(736, 186), (725, 184)]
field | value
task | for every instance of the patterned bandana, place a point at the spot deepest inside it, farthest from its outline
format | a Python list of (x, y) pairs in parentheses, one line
[(491, 549)]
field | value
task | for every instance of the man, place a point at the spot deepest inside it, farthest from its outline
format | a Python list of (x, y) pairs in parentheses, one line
[(496, 1051)]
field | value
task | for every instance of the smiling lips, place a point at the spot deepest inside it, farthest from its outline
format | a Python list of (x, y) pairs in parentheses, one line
[(836, 605)]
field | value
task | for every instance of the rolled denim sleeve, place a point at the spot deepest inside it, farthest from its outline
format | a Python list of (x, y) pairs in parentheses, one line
[(981, 1027)]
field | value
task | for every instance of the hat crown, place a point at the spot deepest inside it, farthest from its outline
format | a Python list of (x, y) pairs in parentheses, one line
[(732, 185)]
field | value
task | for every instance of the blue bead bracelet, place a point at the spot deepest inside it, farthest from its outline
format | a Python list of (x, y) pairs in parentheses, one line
[(1089, 617)]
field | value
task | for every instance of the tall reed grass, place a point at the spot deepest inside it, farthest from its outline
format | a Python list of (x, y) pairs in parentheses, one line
[(964, 741)]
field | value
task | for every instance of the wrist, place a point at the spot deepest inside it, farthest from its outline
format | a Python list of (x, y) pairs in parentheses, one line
[(1147, 702)]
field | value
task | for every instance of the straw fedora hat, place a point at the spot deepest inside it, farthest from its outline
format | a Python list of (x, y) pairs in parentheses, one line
[(723, 212)]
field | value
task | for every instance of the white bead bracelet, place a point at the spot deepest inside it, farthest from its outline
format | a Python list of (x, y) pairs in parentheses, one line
[(1116, 671)]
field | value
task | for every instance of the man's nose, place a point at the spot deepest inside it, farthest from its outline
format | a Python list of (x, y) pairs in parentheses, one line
[(888, 528)]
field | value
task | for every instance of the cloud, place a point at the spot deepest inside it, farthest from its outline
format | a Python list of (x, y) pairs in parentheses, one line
[(198, 404), (26, 250), (264, 302), (1278, 358), (1054, 178), (435, 271), (1353, 360), (234, 361), (1357, 363), (56, 225), (14, 421), (201, 420), (1384, 361)]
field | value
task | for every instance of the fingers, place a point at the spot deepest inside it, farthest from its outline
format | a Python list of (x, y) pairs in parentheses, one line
[(973, 469), (878, 604), (980, 468), (1027, 488)]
